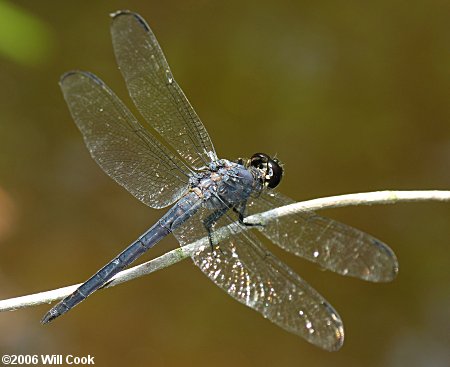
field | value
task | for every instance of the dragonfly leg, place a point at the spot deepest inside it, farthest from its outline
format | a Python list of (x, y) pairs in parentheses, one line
[(209, 222), (240, 210)]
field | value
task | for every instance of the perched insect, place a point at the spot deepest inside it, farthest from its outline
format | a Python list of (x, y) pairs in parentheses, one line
[(207, 194)]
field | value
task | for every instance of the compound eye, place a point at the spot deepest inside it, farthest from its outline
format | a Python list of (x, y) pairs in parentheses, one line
[(270, 168), (276, 172), (259, 160)]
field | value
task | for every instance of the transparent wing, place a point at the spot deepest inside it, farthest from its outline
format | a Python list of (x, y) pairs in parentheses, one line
[(334, 246), (253, 276), (120, 145), (155, 92)]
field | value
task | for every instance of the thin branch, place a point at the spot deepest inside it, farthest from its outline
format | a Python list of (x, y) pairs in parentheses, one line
[(174, 256)]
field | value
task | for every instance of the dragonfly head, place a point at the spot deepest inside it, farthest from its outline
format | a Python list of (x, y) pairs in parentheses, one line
[(270, 169)]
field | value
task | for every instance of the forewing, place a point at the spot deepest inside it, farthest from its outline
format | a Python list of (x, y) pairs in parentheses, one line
[(155, 92), (126, 151), (255, 277), (333, 245)]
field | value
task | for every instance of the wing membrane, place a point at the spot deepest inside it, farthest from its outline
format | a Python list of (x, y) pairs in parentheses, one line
[(253, 276), (334, 246), (155, 92), (120, 145)]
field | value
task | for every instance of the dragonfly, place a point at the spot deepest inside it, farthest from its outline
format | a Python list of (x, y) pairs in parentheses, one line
[(169, 159)]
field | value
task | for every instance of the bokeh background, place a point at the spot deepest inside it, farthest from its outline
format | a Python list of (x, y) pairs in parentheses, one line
[(351, 97)]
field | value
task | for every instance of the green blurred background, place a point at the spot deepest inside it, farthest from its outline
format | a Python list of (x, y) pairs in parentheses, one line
[(351, 97)]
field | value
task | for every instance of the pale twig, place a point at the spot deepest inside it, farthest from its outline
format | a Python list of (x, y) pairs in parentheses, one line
[(174, 256)]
